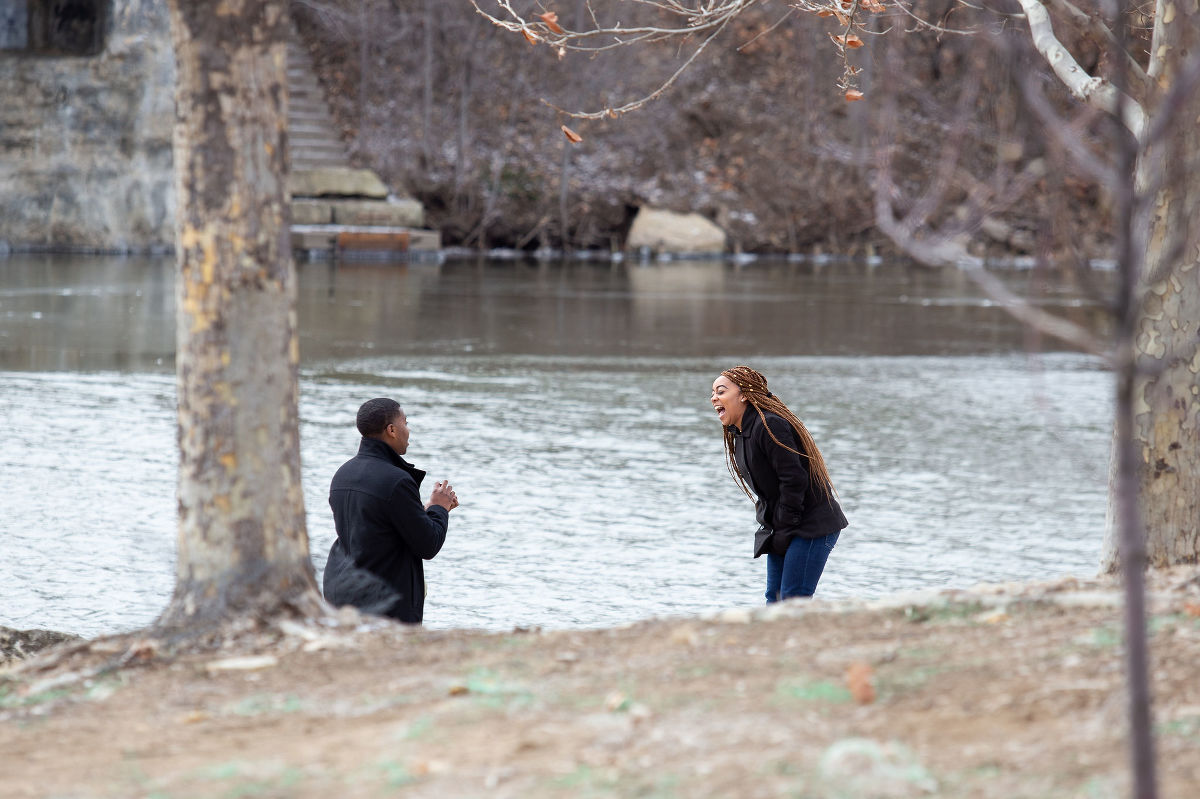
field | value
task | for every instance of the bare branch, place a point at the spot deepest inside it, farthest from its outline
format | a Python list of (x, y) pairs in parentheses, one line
[(1181, 88), (1091, 23), (923, 208), (694, 20), (945, 252), (924, 24), (949, 250), (706, 16), (1088, 88), (763, 33), (1068, 133), (635, 104)]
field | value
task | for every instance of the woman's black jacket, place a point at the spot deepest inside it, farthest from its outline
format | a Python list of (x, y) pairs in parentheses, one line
[(383, 534), (788, 503)]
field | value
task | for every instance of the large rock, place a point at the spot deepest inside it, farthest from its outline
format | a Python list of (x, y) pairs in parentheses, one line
[(336, 182), (20, 644), (667, 231)]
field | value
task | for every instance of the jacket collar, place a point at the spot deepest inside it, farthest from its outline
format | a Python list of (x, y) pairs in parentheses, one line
[(374, 448), (749, 420)]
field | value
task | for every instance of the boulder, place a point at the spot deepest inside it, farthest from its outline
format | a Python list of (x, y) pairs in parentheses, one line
[(20, 644), (667, 231)]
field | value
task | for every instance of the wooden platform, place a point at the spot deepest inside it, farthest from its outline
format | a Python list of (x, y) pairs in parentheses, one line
[(363, 242)]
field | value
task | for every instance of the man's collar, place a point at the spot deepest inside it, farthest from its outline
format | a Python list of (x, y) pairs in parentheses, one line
[(380, 449), (377, 448)]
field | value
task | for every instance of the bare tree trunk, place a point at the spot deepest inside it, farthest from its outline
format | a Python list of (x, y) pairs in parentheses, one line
[(427, 88), (1166, 391), (243, 547), (463, 132), (564, 177), (364, 66)]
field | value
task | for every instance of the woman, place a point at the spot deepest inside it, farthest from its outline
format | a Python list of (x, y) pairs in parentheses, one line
[(770, 452)]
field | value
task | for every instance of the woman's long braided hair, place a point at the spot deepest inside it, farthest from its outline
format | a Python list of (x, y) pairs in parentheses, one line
[(753, 386)]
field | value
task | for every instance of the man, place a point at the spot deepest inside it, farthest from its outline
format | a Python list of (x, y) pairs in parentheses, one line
[(383, 529)]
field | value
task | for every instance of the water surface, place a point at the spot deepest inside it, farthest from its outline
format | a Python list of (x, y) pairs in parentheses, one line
[(569, 406)]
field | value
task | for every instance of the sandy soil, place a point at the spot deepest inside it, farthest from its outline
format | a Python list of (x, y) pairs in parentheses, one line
[(1003, 691)]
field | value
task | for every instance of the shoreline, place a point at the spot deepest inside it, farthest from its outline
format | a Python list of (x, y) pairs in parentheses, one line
[(999, 690), (1163, 588)]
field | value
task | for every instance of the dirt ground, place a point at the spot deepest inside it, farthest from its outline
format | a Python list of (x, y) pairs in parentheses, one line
[(1002, 691)]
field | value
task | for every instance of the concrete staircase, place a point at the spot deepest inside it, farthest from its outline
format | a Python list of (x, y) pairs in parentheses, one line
[(339, 211), (312, 140)]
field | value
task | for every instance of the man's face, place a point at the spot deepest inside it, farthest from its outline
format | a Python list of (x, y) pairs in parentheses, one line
[(396, 433)]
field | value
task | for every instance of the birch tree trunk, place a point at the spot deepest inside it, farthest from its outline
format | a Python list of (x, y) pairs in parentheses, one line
[(1166, 412), (243, 547)]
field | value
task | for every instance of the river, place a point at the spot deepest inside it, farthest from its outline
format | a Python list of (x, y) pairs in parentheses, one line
[(568, 404)]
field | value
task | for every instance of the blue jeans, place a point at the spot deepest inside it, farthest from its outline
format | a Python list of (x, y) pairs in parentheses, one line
[(797, 572)]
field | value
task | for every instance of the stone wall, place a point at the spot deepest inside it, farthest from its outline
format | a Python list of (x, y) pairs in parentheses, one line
[(85, 141)]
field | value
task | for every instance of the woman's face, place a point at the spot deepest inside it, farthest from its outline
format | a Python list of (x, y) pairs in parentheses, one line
[(728, 401)]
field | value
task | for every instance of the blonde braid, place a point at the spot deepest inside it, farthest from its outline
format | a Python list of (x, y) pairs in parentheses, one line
[(753, 386)]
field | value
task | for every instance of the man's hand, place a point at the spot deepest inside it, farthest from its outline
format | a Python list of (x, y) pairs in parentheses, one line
[(443, 494)]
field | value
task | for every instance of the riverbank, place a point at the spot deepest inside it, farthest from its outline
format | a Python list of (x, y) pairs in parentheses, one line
[(754, 135), (1000, 691)]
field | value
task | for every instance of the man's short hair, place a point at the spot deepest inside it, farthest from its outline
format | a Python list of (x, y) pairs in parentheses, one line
[(375, 415)]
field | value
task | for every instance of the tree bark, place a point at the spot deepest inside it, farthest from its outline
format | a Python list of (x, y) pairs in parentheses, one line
[(1166, 345), (243, 546)]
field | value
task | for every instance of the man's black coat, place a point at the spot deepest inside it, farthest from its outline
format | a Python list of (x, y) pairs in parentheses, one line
[(383, 534), (788, 503)]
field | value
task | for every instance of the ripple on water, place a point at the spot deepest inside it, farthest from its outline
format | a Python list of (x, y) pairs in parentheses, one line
[(594, 489)]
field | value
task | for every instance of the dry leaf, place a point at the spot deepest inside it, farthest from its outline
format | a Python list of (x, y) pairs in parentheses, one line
[(858, 680), (530, 37), (1192, 609), (850, 40), (853, 94), (824, 12), (551, 20), (142, 650), (458, 690), (571, 135)]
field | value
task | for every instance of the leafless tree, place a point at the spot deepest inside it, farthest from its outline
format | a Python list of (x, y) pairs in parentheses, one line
[(1146, 161)]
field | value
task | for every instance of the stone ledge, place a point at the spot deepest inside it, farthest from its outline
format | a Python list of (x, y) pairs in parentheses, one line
[(336, 182), (401, 212)]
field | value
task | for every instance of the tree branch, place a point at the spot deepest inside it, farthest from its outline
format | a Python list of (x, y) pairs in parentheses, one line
[(1091, 90), (942, 250), (635, 104), (1091, 23)]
